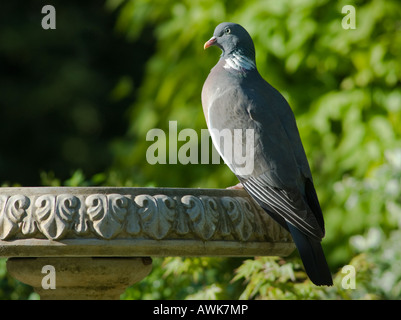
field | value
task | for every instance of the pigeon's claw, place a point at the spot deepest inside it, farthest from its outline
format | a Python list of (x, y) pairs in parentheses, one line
[(238, 186)]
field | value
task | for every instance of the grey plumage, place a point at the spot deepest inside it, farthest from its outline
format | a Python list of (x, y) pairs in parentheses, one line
[(235, 96)]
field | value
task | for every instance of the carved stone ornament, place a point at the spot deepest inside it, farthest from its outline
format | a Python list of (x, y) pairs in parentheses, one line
[(135, 221)]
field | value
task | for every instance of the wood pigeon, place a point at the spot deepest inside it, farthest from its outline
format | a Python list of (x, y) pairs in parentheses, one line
[(236, 99)]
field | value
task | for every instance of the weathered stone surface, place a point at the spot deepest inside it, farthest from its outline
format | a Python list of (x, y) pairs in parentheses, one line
[(61, 221), (65, 228), (80, 278)]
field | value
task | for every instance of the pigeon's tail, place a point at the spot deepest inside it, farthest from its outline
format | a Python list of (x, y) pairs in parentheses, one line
[(312, 256)]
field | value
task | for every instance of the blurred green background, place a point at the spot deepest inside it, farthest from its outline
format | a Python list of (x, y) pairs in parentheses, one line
[(76, 104)]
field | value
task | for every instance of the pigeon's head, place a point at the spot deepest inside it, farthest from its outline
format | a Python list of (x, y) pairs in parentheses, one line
[(231, 38)]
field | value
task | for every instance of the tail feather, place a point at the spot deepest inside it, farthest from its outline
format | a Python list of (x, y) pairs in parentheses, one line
[(313, 258)]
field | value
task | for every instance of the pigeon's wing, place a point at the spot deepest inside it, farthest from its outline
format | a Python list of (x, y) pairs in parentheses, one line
[(272, 175), (267, 95), (284, 206)]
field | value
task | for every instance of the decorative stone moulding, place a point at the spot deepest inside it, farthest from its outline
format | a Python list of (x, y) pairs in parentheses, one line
[(98, 240), (104, 221)]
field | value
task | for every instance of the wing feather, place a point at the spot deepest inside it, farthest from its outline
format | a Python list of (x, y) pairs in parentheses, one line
[(291, 209)]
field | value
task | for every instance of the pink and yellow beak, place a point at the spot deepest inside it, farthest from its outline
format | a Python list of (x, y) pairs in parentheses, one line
[(212, 41)]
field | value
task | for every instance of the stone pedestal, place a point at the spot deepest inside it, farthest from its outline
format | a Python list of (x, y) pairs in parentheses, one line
[(79, 278), (95, 238)]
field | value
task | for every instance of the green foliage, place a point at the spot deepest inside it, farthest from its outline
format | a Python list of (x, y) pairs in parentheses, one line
[(378, 273), (268, 278), (187, 278)]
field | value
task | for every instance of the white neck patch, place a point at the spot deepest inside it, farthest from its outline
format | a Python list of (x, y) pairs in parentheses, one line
[(239, 62)]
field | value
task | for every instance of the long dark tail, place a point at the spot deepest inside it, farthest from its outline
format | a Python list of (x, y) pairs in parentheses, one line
[(312, 256)]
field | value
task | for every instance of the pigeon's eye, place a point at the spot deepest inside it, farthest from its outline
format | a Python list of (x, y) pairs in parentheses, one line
[(227, 31)]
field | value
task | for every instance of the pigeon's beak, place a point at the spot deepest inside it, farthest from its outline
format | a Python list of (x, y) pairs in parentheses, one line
[(212, 41)]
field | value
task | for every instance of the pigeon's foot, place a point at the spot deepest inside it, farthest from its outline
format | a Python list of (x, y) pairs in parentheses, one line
[(238, 186)]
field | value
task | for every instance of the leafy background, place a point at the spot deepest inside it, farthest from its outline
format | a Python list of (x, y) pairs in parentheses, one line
[(76, 104)]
